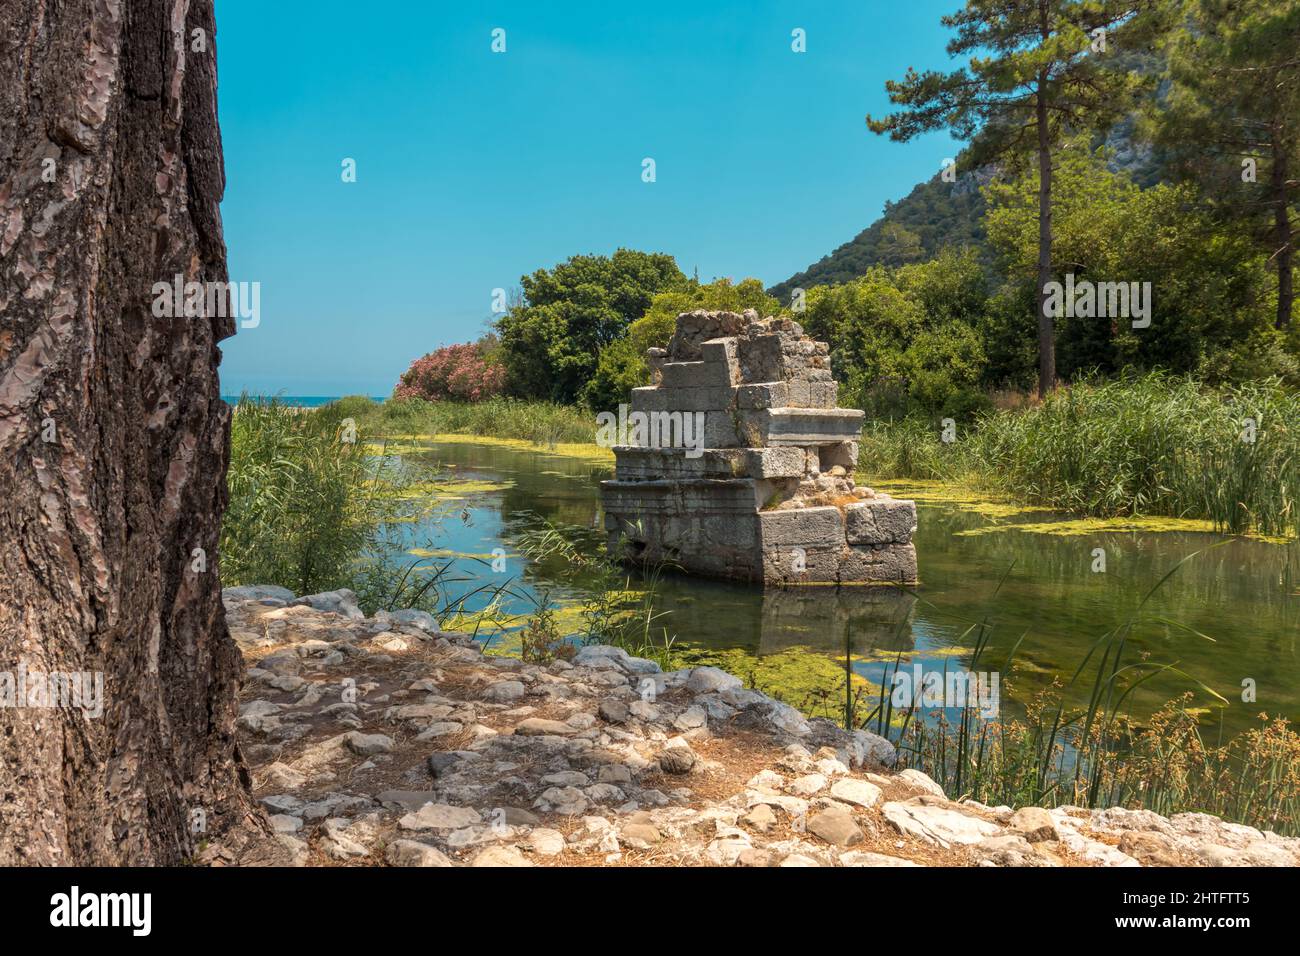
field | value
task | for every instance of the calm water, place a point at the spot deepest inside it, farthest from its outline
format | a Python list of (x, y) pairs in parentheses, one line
[(1244, 594)]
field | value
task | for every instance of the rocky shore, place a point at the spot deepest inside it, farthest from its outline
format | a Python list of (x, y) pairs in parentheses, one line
[(380, 741)]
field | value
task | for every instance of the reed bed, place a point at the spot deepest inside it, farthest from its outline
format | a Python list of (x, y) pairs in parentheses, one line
[(1152, 444), (543, 423), (311, 511)]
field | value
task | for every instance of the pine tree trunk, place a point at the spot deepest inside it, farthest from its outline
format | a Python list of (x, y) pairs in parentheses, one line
[(113, 437), (1046, 326), (1282, 229)]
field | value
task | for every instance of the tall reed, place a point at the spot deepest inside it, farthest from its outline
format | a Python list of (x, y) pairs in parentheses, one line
[(310, 510), (1151, 444), (301, 500)]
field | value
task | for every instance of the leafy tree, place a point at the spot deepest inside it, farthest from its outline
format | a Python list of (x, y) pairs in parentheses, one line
[(899, 245), (1208, 283), (621, 368), (655, 328), (1046, 76), (551, 341), (1232, 117), (622, 365), (950, 287), (905, 340)]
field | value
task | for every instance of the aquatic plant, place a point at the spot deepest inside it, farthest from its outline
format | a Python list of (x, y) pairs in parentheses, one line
[(302, 503), (1151, 444)]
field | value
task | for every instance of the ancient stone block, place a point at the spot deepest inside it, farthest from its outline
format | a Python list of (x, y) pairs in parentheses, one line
[(721, 353), (761, 358), (669, 398), (799, 393), (805, 426), (806, 527), (768, 495), (720, 430), (696, 375), (890, 563), (696, 328), (774, 462), (794, 565), (880, 521), (822, 394), (647, 464), (649, 399), (763, 395)]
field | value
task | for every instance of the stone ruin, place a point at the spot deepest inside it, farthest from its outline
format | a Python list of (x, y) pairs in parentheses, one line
[(768, 494)]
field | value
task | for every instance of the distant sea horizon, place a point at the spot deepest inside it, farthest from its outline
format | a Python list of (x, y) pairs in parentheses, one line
[(298, 401)]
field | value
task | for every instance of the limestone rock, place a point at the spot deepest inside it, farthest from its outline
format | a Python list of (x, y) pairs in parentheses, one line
[(413, 853), (537, 726), (440, 816), (500, 856), (366, 745), (835, 825), (1034, 824), (943, 825), (857, 792)]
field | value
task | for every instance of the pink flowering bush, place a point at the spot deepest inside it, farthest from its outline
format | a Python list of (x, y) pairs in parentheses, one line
[(454, 372)]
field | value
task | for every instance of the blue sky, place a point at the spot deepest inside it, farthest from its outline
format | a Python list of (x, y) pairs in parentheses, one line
[(474, 168)]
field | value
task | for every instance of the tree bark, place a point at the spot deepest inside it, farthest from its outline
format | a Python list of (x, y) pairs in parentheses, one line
[(113, 438), (1046, 325), (1282, 227)]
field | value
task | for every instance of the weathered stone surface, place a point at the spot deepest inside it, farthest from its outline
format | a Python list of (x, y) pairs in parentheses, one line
[(1034, 824), (677, 759), (440, 816), (892, 563), (1149, 848), (917, 780), (835, 825), (806, 426), (538, 726), (858, 792), (941, 825), (867, 858), (707, 680), (883, 521), (614, 711), (501, 856), (804, 527), (368, 744), (413, 853), (761, 818), (1010, 849), (506, 690)]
